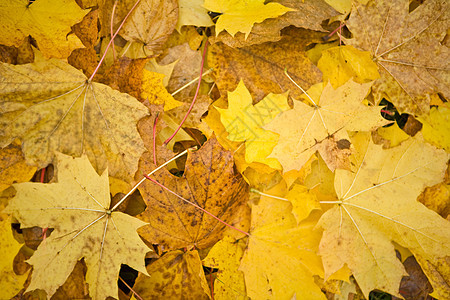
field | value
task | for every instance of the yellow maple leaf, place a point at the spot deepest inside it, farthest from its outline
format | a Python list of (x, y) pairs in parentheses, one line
[(339, 64), (284, 253), (226, 255), (154, 91), (191, 12), (436, 127), (240, 15), (303, 201), (244, 121), (211, 182), (393, 135), (47, 21), (376, 205), (52, 107), (307, 128), (78, 208), (10, 282)]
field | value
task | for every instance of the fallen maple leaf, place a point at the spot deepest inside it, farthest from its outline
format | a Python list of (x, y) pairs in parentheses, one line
[(438, 273), (408, 48), (52, 107), (78, 208), (210, 182), (261, 67), (391, 136), (176, 275), (240, 15), (339, 64), (244, 122), (377, 205), (436, 127), (47, 21), (306, 14), (13, 168), (283, 253), (125, 75), (10, 282), (307, 128), (186, 69), (154, 91), (191, 12), (150, 24), (226, 255)]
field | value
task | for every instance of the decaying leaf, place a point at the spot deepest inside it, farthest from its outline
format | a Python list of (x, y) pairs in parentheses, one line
[(176, 275), (150, 24), (377, 205), (125, 75), (209, 181), (51, 107), (78, 208), (261, 67), (408, 48), (47, 21), (187, 68)]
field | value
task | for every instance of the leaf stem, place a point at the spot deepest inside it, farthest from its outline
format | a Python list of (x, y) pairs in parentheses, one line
[(143, 179), (191, 82), (195, 205), (267, 195), (297, 85), (131, 289), (154, 138), (111, 27), (112, 40), (195, 96), (42, 175)]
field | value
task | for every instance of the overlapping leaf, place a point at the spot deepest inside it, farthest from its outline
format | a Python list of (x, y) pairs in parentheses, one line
[(210, 182), (261, 67), (85, 227), (377, 205), (408, 48), (51, 107), (283, 252), (47, 21), (308, 128), (239, 15), (244, 123), (176, 275)]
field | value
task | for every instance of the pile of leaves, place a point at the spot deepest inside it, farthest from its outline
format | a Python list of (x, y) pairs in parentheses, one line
[(224, 149)]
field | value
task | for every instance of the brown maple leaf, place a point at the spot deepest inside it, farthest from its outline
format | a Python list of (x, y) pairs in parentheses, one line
[(408, 49), (210, 182), (261, 67)]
